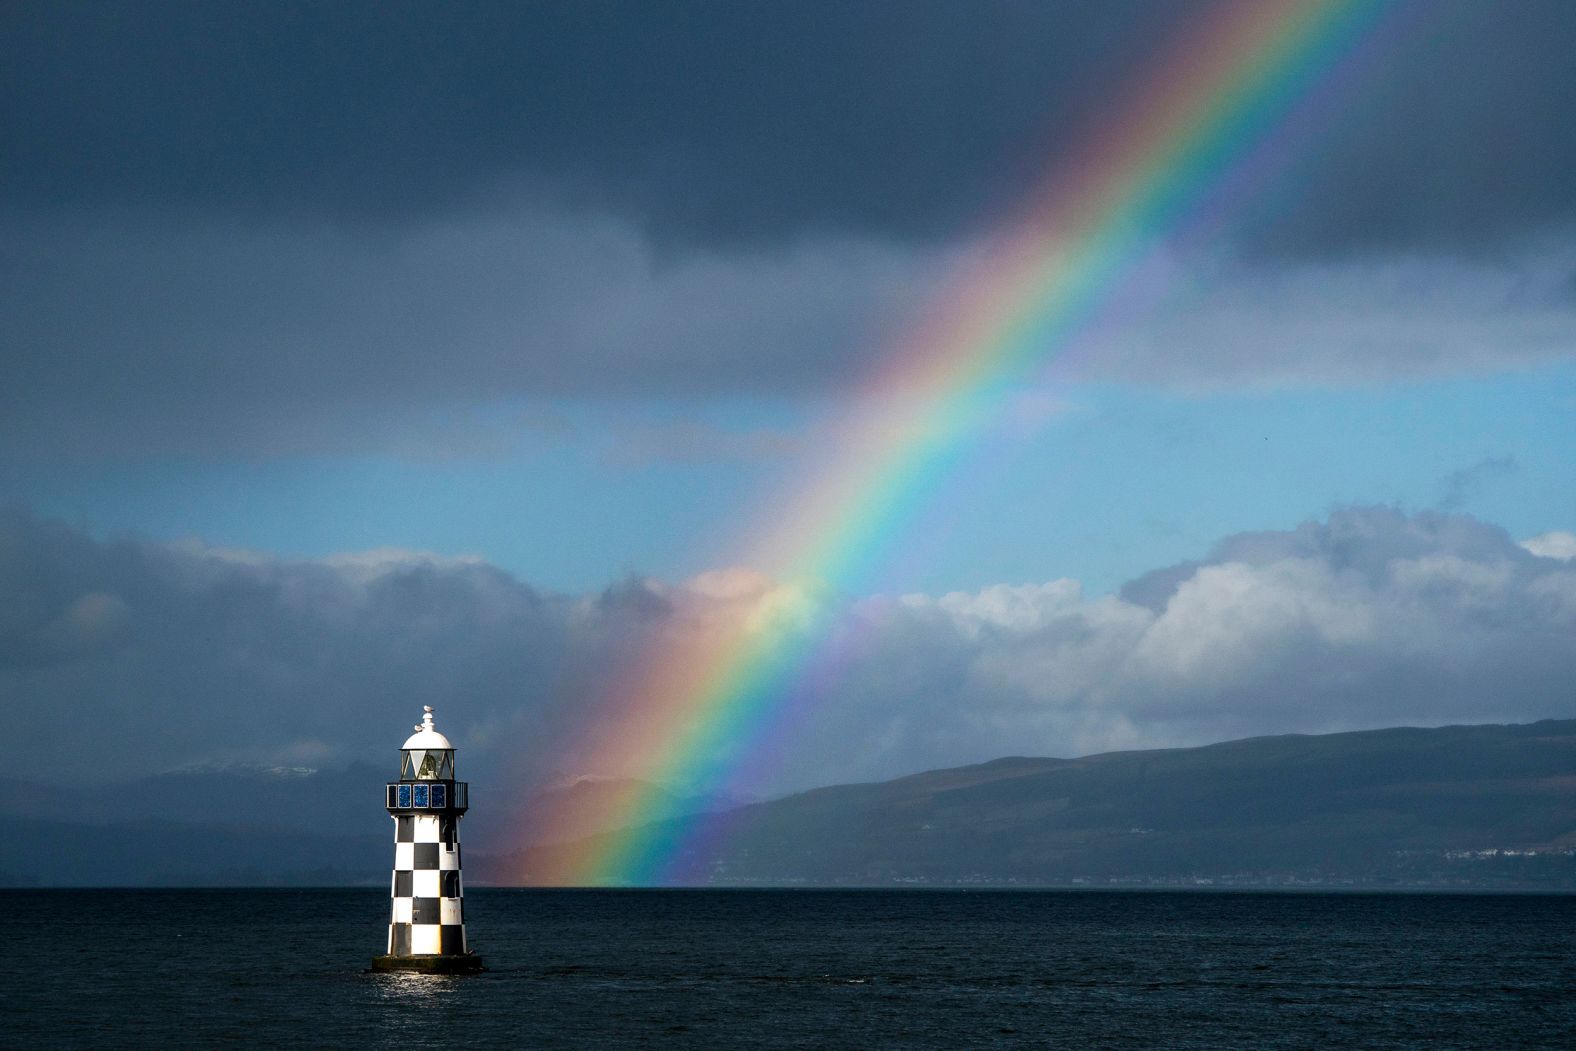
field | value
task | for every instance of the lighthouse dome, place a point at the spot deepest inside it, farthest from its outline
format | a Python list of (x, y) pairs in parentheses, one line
[(426, 735), (426, 738)]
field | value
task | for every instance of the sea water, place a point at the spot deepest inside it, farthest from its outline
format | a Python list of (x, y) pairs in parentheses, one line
[(774, 969)]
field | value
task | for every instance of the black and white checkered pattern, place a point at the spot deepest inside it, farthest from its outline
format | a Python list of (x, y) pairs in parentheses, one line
[(428, 915)]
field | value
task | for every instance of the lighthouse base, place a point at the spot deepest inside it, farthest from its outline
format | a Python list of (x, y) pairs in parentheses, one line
[(456, 963)]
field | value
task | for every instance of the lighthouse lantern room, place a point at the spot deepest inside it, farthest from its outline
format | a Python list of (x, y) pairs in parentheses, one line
[(427, 916)]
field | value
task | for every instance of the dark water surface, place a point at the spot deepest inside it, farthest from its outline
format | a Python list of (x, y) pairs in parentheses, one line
[(766, 969)]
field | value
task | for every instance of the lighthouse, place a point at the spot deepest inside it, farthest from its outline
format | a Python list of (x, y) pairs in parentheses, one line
[(427, 916)]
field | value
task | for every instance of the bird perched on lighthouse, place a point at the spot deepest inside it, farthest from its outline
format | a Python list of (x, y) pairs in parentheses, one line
[(427, 915)]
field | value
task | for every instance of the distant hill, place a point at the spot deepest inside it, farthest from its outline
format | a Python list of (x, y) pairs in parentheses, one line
[(1455, 806), (345, 800), (141, 853), (238, 825)]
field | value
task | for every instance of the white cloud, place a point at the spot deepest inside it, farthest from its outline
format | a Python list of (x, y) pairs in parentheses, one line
[(1372, 618), (1558, 545)]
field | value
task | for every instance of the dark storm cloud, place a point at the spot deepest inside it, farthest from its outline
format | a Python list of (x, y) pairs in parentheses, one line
[(126, 658), (706, 121), (1462, 139), (133, 337), (724, 122), (306, 229)]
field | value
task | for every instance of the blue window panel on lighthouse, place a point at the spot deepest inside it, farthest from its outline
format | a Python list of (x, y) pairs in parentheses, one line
[(393, 797), (404, 796), (439, 797), (420, 793)]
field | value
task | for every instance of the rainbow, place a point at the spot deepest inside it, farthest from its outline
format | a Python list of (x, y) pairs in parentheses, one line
[(1220, 110)]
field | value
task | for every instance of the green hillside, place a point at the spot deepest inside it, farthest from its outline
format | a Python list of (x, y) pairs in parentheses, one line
[(1461, 805)]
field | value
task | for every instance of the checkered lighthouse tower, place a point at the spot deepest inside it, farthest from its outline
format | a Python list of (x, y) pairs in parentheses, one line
[(427, 919)]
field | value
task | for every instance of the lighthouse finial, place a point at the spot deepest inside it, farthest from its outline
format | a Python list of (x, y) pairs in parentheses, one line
[(426, 719)]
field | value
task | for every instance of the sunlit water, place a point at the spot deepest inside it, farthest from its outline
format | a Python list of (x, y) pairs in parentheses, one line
[(763, 969)]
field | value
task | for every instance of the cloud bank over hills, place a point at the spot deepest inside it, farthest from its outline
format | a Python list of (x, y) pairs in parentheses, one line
[(125, 658)]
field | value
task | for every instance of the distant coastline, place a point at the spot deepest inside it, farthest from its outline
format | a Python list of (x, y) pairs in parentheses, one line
[(1459, 808)]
